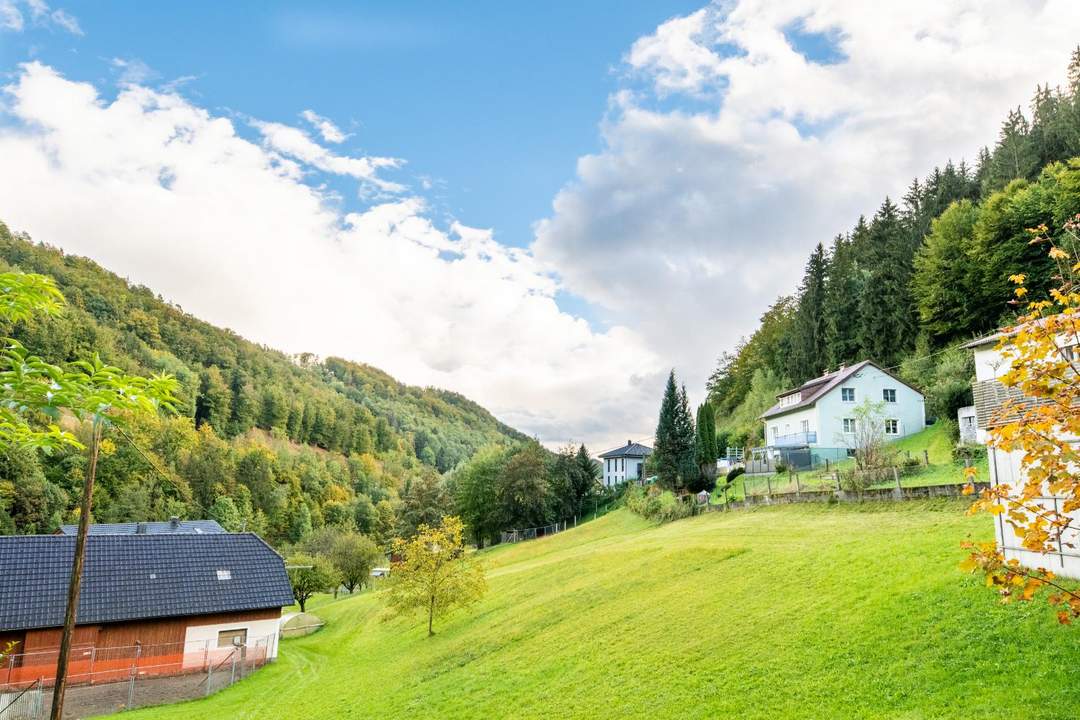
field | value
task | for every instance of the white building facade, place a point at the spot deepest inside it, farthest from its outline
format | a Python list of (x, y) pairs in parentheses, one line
[(820, 414), (624, 463)]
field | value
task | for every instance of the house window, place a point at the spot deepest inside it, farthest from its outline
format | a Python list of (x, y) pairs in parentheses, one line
[(892, 427), (224, 574), (805, 426), (775, 431), (232, 638), (847, 394), (889, 394), (849, 426)]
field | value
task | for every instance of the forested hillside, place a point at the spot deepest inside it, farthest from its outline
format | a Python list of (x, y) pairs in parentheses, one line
[(906, 286), (260, 440)]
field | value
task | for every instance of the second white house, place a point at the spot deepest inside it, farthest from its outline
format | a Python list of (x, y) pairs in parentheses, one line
[(817, 420)]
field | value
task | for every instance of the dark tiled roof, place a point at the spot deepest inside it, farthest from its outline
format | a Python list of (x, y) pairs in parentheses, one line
[(628, 450), (135, 577), (188, 527), (813, 390)]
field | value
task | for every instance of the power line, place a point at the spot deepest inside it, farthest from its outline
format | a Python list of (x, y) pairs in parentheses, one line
[(160, 473)]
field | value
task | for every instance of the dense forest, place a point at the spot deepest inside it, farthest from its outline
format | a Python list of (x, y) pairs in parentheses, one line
[(908, 285), (260, 440)]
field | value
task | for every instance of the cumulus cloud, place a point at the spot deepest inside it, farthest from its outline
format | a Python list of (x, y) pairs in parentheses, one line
[(11, 17), (328, 130), (132, 71), (172, 196), (745, 148)]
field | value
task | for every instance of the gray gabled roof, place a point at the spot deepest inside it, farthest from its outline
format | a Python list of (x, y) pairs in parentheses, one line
[(138, 577), (187, 527), (814, 390), (630, 449)]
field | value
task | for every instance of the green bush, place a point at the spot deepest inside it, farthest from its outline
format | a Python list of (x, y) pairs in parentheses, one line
[(780, 467), (658, 506), (734, 473), (910, 462), (971, 452)]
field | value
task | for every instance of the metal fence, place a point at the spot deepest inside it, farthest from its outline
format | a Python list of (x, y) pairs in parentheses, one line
[(513, 536), (104, 680)]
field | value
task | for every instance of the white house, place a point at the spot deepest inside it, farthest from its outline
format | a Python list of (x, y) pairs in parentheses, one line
[(626, 462), (819, 415), (1005, 467)]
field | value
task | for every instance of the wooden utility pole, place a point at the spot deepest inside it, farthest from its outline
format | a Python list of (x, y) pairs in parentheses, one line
[(75, 583)]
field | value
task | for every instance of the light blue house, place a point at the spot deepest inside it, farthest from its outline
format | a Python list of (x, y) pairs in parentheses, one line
[(817, 420)]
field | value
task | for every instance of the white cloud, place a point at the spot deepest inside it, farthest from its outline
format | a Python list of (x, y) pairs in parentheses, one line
[(295, 143), (11, 18), (132, 71), (328, 130), (170, 195), (714, 183)]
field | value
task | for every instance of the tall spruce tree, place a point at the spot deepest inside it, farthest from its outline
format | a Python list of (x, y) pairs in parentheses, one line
[(705, 449), (666, 441), (684, 423), (809, 341), (887, 314), (843, 289)]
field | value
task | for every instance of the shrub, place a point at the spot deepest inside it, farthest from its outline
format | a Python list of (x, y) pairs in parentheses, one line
[(910, 462), (780, 467), (659, 506), (734, 473), (971, 452)]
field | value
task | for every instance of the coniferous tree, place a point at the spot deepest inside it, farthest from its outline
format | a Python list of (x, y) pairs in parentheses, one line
[(808, 351), (886, 317), (1014, 156), (666, 456), (684, 422), (844, 284)]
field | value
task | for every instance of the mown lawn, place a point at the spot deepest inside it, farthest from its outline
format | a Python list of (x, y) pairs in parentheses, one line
[(784, 612)]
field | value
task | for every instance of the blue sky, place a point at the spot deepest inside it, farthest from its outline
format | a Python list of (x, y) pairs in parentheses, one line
[(494, 101), (654, 173)]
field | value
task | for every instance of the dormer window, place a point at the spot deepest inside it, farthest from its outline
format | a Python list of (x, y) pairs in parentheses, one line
[(790, 399)]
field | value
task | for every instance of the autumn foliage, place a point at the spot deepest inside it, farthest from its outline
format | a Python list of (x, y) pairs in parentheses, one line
[(1043, 349)]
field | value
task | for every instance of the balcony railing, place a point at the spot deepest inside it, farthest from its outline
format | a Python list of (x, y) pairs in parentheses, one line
[(795, 439)]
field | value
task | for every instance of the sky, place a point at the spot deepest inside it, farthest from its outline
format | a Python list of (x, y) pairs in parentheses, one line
[(545, 207)]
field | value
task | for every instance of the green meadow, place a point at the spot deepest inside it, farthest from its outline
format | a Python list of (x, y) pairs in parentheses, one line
[(785, 612)]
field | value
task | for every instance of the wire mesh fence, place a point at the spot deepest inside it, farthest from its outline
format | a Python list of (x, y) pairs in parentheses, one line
[(104, 680), (513, 536)]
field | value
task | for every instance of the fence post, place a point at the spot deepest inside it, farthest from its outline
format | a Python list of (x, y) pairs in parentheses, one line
[(232, 678), (10, 667), (768, 485), (131, 680), (209, 677), (93, 654), (926, 457), (899, 488), (798, 485)]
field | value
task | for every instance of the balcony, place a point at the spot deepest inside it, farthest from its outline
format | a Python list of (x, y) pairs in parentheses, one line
[(800, 439)]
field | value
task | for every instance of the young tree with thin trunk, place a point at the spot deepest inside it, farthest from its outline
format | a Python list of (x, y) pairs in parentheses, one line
[(310, 574), (96, 394), (435, 574)]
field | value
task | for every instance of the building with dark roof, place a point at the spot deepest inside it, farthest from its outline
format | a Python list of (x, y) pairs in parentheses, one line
[(181, 598), (820, 415), (626, 462), (173, 525)]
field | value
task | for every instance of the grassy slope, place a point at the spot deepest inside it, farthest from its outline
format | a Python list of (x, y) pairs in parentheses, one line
[(793, 612)]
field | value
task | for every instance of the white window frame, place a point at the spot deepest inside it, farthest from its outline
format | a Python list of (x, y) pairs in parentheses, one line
[(894, 424), (846, 422), (885, 392), (845, 392), (805, 426)]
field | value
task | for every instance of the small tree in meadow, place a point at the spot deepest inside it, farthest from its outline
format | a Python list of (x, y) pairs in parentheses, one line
[(435, 575), (309, 575), (355, 556)]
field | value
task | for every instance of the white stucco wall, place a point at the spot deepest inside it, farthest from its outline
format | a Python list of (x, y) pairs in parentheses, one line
[(791, 423), (618, 470), (909, 409), (201, 640), (826, 417)]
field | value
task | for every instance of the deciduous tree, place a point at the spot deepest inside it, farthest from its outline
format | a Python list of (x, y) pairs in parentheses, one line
[(435, 574)]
